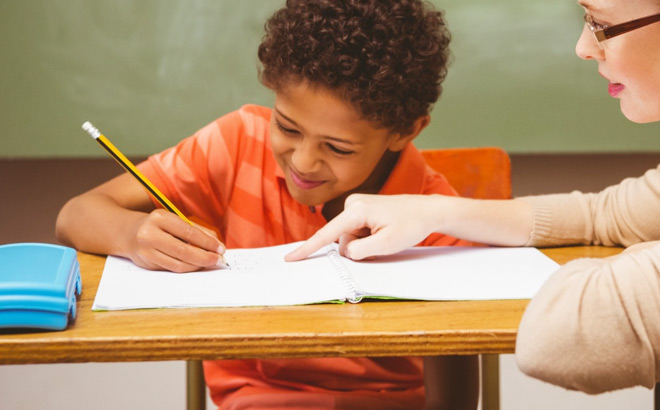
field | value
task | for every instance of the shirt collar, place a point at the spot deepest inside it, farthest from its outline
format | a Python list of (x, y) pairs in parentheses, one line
[(400, 181)]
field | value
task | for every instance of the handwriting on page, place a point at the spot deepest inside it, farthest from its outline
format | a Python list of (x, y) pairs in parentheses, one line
[(255, 259), (270, 258), (242, 261)]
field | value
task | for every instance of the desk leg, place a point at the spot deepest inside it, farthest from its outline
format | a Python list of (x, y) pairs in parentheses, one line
[(490, 382), (656, 397), (195, 386)]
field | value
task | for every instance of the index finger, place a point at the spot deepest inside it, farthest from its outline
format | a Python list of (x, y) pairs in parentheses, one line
[(341, 224), (191, 233)]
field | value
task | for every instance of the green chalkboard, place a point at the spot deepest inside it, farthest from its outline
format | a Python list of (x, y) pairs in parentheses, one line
[(151, 72)]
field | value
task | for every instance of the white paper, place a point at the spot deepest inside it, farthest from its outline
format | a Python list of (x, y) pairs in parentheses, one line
[(454, 273), (260, 277)]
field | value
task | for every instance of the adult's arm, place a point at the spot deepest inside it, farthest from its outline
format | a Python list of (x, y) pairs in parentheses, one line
[(595, 324), (372, 225)]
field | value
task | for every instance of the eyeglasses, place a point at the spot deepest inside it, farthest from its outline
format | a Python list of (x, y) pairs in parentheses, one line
[(602, 33)]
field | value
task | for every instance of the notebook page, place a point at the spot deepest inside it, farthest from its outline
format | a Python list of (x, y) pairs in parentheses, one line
[(454, 273), (257, 277)]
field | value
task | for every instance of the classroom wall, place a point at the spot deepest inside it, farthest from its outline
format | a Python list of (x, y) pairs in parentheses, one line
[(151, 72)]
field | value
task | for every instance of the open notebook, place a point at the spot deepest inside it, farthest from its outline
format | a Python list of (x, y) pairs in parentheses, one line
[(260, 277)]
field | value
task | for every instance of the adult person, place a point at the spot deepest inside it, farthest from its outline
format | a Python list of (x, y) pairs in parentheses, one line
[(595, 325)]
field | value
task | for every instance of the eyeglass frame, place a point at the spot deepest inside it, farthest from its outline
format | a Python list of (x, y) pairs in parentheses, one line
[(612, 31)]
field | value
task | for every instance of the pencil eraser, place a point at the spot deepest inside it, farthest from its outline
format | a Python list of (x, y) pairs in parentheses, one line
[(91, 130)]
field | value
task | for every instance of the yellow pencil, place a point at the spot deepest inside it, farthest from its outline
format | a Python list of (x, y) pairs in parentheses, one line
[(131, 169)]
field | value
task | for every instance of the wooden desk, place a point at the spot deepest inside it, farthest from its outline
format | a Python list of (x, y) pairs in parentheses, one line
[(393, 328)]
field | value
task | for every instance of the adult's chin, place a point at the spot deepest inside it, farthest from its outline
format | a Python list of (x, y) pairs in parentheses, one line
[(640, 115)]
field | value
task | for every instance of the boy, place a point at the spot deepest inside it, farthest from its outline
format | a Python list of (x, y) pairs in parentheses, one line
[(354, 82)]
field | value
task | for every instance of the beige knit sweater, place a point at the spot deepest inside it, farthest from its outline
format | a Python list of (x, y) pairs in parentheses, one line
[(595, 325)]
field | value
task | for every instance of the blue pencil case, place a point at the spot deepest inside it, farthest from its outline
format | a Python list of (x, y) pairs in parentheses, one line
[(39, 286)]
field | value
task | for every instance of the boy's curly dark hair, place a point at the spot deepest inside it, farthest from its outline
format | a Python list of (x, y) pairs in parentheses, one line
[(387, 58)]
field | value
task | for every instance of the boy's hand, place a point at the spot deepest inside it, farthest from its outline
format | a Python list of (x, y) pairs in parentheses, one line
[(371, 225), (163, 241)]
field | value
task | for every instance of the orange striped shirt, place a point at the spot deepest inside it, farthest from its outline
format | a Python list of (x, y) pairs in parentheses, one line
[(226, 175)]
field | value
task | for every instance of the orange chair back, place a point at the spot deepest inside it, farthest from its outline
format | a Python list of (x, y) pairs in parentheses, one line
[(482, 172)]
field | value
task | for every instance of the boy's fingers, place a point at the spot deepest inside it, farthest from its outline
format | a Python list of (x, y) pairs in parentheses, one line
[(193, 234), (220, 249), (194, 245), (209, 232), (188, 253), (166, 252), (172, 264)]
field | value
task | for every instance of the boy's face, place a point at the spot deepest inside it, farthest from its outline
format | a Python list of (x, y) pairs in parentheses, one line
[(323, 145)]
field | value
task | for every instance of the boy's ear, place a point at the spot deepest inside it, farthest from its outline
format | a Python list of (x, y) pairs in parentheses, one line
[(400, 141)]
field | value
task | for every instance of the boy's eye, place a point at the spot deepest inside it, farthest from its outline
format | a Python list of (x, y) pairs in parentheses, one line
[(339, 151), (285, 129)]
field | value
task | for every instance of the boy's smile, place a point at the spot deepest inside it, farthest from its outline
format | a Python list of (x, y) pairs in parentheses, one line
[(302, 181), (325, 148)]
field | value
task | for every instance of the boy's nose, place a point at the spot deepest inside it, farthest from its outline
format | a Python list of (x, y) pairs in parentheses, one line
[(306, 158)]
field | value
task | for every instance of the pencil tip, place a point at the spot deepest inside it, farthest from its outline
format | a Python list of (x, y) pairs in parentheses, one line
[(222, 262)]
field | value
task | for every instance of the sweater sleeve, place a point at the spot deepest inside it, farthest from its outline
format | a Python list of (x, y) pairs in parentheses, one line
[(594, 325), (624, 214)]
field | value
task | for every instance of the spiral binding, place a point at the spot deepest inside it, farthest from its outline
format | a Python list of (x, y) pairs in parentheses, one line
[(345, 276)]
